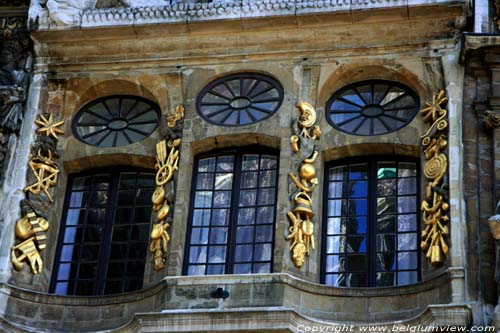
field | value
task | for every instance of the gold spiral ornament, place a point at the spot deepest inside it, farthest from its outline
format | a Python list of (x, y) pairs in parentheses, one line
[(442, 125), (435, 168), (426, 141)]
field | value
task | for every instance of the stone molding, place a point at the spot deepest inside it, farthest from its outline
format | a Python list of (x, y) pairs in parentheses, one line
[(260, 292), (227, 10)]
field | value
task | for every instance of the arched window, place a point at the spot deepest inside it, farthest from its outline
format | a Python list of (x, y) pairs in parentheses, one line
[(232, 213), (371, 223), (104, 233), (372, 107), (115, 121), (239, 99)]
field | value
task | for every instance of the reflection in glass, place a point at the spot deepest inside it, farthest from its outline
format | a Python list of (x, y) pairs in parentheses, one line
[(391, 229), (246, 241)]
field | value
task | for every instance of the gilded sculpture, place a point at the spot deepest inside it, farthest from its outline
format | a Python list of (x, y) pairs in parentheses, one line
[(45, 170), (434, 206), (49, 127), (31, 227), (167, 161), (30, 230), (301, 229)]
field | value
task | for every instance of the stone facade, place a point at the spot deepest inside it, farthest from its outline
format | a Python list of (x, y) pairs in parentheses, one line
[(167, 52)]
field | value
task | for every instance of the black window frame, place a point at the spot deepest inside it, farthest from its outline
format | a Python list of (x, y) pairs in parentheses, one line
[(106, 242), (238, 153), (371, 223)]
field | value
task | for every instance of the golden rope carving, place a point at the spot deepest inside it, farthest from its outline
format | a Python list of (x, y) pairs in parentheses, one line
[(301, 229), (167, 162), (434, 206)]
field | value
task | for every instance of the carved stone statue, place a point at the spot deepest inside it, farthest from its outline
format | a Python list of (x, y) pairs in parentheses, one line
[(12, 91), (494, 223), (63, 12)]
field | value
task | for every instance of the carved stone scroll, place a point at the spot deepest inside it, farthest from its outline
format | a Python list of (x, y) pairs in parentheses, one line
[(167, 161), (301, 229), (435, 207)]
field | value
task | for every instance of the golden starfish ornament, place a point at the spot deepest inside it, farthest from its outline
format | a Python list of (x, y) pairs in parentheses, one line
[(434, 110), (48, 127)]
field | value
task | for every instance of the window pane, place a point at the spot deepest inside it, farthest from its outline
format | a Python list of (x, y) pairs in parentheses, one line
[(265, 215), (267, 178), (203, 199), (336, 225), (250, 235), (222, 199), (385, 280), (199, 235), (407, 278), (244, 234), (217, 254), (358, 171), (338, 173), (220, 217), (407, 204), (358, 189), (89, 256), (355, 263), (407, 222), (249, 179), (407, 260), (223, 181), (206, 165), (407, 169), (407, 186), (205, 181), (391, 229), (386, 262)]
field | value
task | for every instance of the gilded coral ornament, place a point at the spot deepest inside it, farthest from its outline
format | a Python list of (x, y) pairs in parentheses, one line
[(434, 206)]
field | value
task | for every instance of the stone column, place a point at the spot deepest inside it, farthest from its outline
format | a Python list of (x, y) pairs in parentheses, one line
[(454, 76), (15, 176)]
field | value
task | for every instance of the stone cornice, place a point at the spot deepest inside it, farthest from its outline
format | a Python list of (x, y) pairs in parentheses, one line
[(226, 10)]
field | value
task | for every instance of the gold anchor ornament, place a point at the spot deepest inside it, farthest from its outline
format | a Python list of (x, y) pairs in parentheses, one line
[(301, 229), (434, 206)]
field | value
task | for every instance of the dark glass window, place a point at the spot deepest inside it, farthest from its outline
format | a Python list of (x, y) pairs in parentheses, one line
[(233, 203), (372, 107), (371, 234), (240, 99), (116, 121), (104, 234)]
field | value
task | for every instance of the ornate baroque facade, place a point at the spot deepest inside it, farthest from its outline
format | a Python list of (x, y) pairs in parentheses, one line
[(237, 165)]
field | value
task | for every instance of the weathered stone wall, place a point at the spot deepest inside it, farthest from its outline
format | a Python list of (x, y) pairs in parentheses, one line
[(481, 185), (312, 57)]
